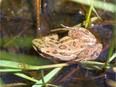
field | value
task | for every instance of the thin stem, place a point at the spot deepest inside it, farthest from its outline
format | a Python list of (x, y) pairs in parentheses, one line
[(111, 45), (88, 15)]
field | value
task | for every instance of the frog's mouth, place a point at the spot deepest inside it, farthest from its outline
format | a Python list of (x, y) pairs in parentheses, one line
[(35, 48), (44, 55)]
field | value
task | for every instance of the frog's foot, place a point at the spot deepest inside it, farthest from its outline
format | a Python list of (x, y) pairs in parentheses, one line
[(91, 53)]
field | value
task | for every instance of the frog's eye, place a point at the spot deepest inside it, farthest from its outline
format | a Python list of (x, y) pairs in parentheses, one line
[(36, 41)]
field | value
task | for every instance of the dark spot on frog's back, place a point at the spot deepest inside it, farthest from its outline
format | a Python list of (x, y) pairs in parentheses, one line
[(36, 41), (82, 46), (49, 44), (52, 38), (48, 51), (56, 42), (63, 53), (87, 32), (74, 43), (95, 54), (40, 42), (86, 52), (62, 47), (41, 46), (55, 52)]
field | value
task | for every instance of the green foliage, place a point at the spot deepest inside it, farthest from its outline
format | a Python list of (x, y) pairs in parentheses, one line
[(47, 78), (16, 42), (33, 60), (99, 4)]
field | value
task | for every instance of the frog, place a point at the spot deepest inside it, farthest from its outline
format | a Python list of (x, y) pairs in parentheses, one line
[(79, 44)]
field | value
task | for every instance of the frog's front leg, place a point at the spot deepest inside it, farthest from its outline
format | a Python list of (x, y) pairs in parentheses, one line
[(91, 53)]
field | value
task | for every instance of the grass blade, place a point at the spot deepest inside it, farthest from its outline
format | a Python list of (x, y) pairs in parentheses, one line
[(25, 77), (10, 70), (47, 77), (17, 65), (99, 4)]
